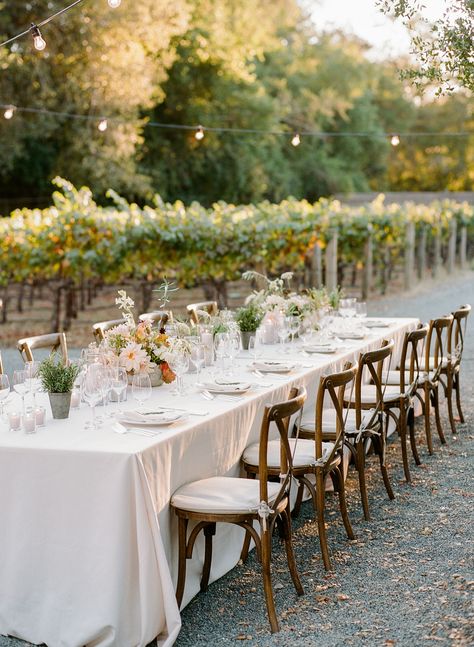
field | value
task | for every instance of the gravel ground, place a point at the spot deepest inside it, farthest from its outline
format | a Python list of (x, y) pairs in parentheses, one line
[(406, 580)]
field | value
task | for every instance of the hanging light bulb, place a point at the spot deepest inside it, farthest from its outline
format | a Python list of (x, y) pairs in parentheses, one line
[(38, 40), (113, 4), (9, 112), (102, 125), (296, 140), (394, 140), (199, 134)]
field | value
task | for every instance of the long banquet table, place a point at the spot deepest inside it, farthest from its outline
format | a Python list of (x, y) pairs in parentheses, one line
[(88, 544)]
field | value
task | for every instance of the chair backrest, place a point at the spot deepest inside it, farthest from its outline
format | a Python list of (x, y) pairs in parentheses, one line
[(372, 362), (457, 334), (99, 329), (54, 341), (159, 318), (412, 357), (333, 386), (205, 306), (436, 347), (280, 414), (1, 364)]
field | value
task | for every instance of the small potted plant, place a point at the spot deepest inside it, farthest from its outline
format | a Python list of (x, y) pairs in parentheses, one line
[(58, 379), (248, 318)]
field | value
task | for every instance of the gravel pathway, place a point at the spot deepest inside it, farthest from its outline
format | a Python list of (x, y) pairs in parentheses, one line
[(407, 579)]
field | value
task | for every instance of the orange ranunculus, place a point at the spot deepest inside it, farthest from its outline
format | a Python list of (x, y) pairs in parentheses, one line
[(167, 373)]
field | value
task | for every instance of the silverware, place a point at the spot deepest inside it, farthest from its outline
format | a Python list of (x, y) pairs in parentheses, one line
[(121, 429), (164, 409)]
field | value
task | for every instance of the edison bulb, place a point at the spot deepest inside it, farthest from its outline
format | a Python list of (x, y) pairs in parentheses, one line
[(39, 42), (395, 140), (199, 133), (113, 4), (9, 112), (296, 140), (102, 125)]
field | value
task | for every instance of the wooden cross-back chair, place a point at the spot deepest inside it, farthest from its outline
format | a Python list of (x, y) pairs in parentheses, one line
[(313, 457), (204, 306), (435, 364), (55, 341), (1, 364), (455, 350), (99, 329), (243, 502), (159, 318)]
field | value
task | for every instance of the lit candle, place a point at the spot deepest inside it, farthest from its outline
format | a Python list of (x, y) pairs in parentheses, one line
[(75, 399), (29, 422), (40, 414), (14, 420)]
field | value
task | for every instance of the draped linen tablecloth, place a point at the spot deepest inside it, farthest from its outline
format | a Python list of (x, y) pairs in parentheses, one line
[(88, 544)]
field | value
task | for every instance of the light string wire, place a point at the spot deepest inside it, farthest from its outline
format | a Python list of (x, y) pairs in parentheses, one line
[(42, 23), (226, 129)]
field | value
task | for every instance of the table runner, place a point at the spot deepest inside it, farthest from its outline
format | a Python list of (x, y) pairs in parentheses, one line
[(88, 545)]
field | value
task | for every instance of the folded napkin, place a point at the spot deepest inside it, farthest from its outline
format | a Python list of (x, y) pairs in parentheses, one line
[(350, 335), (320, 348), (269, 365), (157, 418), (376, 323), (225, 387)]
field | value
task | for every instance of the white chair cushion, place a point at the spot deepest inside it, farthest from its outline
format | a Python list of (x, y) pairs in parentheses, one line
[(303, 455), (329, 421), (393, 377), (369, 394), (222, 495)]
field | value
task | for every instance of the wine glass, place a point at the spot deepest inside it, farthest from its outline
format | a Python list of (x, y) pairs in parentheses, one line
[(4, 391), (221, 349), (20, 386), (282, 330), (256, 345), (234, 347), (141, 387), (92, 391), (106, 388), (293, 325), (179, 364), (361, 309), (198, 356), (32, 380), (119, 382)]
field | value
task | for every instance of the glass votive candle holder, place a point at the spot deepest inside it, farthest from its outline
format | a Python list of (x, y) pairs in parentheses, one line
[(75, 398), (29, 422), (14, 420), (40, 416)]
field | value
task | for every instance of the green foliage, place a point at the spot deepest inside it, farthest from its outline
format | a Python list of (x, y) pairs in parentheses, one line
[(55, 376), (249, 317)]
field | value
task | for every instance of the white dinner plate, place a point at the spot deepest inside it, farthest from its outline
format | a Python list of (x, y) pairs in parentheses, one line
[(152, 420), (350, 335), (376, 324), (273, 366), (224, 386), (316, 348)]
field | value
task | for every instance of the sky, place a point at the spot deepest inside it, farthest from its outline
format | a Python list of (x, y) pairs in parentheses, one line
[(362, 17)]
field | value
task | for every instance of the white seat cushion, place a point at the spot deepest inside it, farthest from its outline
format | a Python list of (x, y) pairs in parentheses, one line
[(222, 495), (303, 455), (369, 394), (393, 377), (329, 421)]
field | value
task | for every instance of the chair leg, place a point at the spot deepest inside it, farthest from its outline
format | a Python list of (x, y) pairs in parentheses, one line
[(290, 553), (267, 580), (439, 426), (380, 442), (341, 490), (429, 440), (449, 399), (402, 429), (411, 427), (246, 547), (299, 500), (320, 501), (209, 532), (457, 388), (360, 465), (182, 530)]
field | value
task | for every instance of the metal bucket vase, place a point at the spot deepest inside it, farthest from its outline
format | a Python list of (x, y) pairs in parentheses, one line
[(60, 404)]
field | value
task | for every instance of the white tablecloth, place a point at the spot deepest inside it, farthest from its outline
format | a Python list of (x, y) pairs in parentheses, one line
[(88, 545)]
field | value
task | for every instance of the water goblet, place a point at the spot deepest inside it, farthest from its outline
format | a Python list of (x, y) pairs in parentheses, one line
[(282, 331), (19, 386), (92, 391), (179, 364), (256, 345), (32, 380), (119, 382), (221, 349), (293, 324), (141, 387), (198, 356), (4, 392)]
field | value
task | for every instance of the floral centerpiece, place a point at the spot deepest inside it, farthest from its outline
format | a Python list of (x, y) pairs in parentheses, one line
[(138, 347)]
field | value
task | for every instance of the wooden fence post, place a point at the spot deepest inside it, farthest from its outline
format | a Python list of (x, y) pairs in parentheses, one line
[(409, 254), (463, 248), (452, 245), (437, 254), (316, 267), (422, 252), (368, 267), (331, 261)]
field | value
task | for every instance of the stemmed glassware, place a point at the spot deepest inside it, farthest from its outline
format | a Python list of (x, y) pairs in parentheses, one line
[(221, 349), (141, 387), (32, 381), (234, 346), (293, 324), (118, 382), (283, 332), (92, 391), (198, 356), (256, 345), (20, 386), (179, 364), (4, 391), (347, 307)]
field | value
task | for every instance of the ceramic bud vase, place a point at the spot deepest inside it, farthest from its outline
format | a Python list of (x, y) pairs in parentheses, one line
[(60, 404)]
